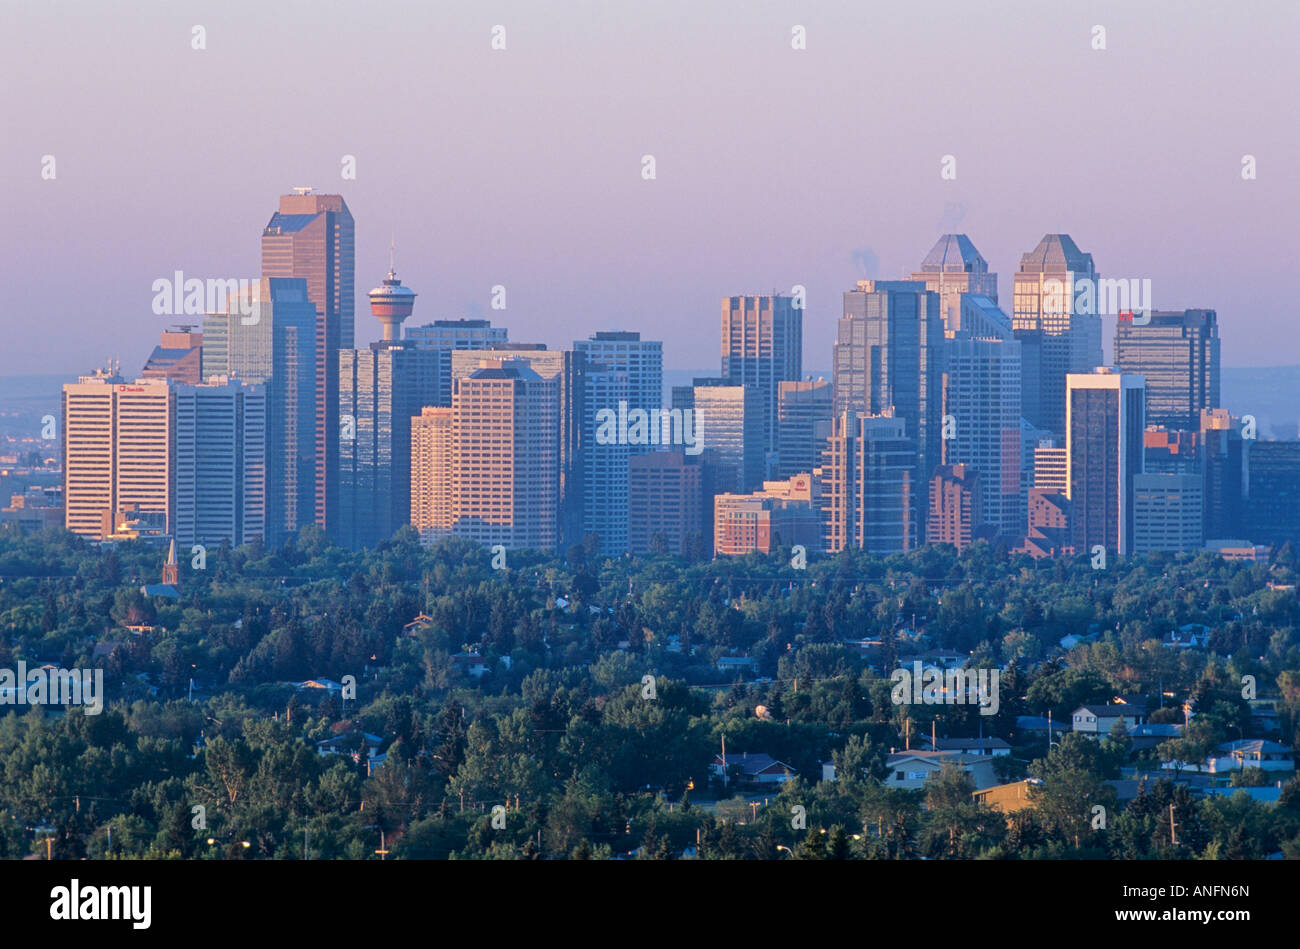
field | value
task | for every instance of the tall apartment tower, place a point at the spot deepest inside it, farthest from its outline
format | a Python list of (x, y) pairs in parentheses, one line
[(505, 456), (1104, 444), (444, 336), (762, 345), (952, 268), (1056, 336), (380, 389), (982, 409), (269, 338), (221, 462), (1177, 352), (118, 451), (431, 473), (805, 417), (869, 485), (889, 358), (312, 237)]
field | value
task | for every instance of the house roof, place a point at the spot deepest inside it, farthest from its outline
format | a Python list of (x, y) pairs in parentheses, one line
[(1108, 711), (965, 744), (754, 763), (1251, 746)]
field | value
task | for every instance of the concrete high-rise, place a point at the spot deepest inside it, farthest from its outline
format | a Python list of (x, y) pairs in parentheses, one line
[(568, 370), (118, 452), (889, 357), (762, 345), (1104, 442), (1168, 513), (667, 498), (505, 456), (431, 473), (221, 476), (955, 499), (952, 268), (1058, 332), (312, 237), (269, 338), (1177, 352)]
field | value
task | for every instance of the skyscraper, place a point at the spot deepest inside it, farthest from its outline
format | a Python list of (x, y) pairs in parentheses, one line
[(729, 420), (621, 368), (1177, 353), (1272, 508), (221, 462), (762, 344), (889, 357), (605, 463), (982, 403), (269, 338), (869, 485), (505, 456), (667, 498), (1104, 431), (1168, 513), (177, 356), (444, 336), (1057, 336), (431, 473), (1223, 455), (380, 389), (568, 370), (805, 416), (312, 237), (954, 267), (118, 452)]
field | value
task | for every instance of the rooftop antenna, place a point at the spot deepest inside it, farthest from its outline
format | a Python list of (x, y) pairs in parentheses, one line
[(392, 247)]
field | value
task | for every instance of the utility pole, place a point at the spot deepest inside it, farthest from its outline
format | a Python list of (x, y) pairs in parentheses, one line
[(382, 851), (1173, 838)]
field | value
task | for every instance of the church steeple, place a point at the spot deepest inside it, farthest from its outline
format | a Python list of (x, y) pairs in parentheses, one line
[(171, 572)]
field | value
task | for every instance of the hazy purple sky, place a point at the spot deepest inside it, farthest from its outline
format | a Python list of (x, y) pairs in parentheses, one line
[(523, 167)]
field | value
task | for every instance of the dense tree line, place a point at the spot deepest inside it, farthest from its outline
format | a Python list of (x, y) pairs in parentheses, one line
[(600, 705)]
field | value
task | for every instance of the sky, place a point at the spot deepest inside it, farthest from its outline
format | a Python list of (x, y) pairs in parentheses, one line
[(523, 167)]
